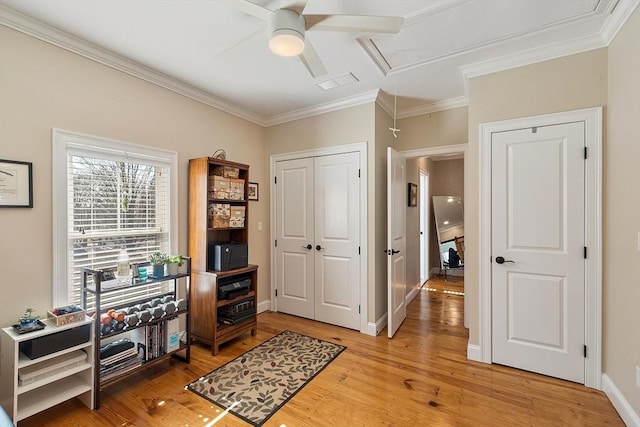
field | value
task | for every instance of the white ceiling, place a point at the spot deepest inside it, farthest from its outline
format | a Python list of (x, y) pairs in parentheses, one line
[(215, 54)]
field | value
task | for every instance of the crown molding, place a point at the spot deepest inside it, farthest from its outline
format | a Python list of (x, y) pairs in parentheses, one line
[(434, 107), (531, 56), (34, 28), (618, 16), (385, 101), (352, 101), (616, 19)]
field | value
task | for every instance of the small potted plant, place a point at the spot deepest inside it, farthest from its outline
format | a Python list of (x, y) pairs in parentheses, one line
[(158, 260), (29, 319), (174, 262)]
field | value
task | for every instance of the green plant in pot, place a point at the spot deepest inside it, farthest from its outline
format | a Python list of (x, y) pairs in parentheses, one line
[(174, 262), (158, 260), (29, 319)]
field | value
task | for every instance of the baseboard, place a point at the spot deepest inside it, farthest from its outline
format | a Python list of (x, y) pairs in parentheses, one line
[(458, 272), (374, 329), (371, 329), (412, 294), (626, 412), (264, 306), (474, 353)]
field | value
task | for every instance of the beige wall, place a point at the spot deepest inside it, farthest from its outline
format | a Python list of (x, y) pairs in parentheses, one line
[(448, 178), (568, 83), (446, 127), (43, 87), (621, 308)]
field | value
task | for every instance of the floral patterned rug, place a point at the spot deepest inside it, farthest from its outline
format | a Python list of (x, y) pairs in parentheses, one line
[(256, 384)]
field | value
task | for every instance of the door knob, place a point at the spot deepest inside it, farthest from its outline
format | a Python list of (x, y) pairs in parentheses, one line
[(318, 248), (308, 247), (501, 260), (393, 252)]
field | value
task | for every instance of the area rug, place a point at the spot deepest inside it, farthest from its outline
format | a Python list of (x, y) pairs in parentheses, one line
[(255, 385)]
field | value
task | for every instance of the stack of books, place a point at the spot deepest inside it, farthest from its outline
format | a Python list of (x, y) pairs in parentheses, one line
[(117, 358)]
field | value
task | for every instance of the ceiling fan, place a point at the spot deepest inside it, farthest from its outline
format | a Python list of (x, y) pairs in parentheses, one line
[(287, 29)]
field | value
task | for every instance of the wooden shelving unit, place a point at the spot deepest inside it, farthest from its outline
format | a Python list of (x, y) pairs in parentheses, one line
[(202, 234)]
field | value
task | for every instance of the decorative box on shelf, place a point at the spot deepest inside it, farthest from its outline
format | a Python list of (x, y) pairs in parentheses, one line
[(67, 314), (221, 187), (226, 188), (237, 217), (220, 214), (226, 171)]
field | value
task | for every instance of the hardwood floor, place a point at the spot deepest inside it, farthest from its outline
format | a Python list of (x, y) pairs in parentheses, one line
[(421, 377)]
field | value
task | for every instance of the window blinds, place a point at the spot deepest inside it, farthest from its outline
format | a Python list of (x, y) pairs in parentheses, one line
[(114, 204)]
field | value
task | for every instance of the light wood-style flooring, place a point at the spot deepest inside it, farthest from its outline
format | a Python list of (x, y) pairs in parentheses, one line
[(421, 377)]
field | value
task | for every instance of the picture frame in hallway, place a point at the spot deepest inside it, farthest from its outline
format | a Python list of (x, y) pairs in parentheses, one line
[(16, 184), (412, 196)]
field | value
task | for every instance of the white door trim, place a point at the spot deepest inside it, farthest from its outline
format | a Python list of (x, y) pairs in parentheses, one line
[(425, 212), (361, 148), (592, 119), (440, 151)]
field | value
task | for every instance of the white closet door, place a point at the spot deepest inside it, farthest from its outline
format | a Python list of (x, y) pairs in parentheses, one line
[(295, 250), (337, 240)]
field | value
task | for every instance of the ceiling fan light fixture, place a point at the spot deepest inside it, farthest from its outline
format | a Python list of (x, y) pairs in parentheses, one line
[(287, 33), (286, 42)]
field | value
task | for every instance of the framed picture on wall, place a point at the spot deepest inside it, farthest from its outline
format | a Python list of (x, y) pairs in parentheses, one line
[(413, 195), (16, 184), (252, 191)]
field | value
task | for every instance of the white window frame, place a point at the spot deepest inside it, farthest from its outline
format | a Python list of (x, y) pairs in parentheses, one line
[(65, 142)]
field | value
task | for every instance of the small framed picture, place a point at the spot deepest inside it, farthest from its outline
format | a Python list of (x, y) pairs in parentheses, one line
[(16, 184), (252, 191), (413, 195)]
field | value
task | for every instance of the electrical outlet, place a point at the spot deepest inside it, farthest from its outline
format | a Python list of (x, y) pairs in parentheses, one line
[(260, 229), (638, 376)]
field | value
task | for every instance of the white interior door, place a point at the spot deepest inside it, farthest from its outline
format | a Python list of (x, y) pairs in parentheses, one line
[(538, 270), (396, 240), (295, 253), (337, 239)]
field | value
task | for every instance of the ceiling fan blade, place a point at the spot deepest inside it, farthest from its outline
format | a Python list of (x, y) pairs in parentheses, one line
[(311, 60), (354, 23), (245, 6)]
